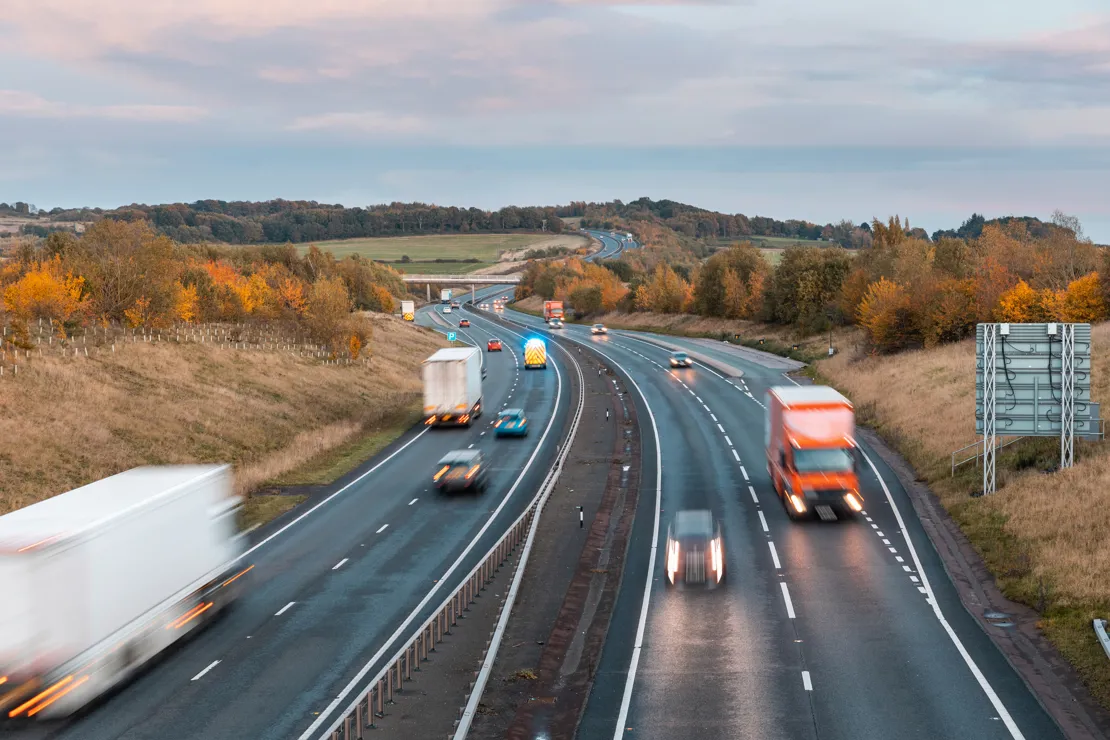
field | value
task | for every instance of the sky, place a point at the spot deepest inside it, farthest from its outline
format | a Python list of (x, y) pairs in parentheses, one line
[(930, 109)]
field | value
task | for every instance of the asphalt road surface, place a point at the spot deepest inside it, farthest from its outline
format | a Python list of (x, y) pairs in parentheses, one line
[(611, 247), (846, 630), (345, 582)]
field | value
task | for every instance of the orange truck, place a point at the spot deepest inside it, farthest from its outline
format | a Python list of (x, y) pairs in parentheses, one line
[(812, 456), (552, 310)]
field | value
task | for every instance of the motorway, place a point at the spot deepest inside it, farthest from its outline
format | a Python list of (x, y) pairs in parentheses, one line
[(611, 246), (339, 582), (845, 630)]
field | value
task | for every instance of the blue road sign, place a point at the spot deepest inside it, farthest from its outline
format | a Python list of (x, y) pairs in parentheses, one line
[(450, 336)]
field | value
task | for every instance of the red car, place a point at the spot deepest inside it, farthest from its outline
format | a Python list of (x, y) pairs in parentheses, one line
[(465, 323), (493, 345)]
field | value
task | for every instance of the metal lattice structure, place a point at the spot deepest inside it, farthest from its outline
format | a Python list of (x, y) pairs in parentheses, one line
[(1067, 396), (990, 398), (1033, 380)]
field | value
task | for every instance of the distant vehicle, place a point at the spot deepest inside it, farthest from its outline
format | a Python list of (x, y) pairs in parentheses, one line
[(98, 581), (695, 550), (485, 307), (598, 329), (408, 310), (680, 359), (555, 324), (455, 304), (453, 386), (493, 345), (461, 470), (812, 456), (511, 423), (446, 309), (464, 323), (535, 354), (498, 307), (552, 310), (445, 295)]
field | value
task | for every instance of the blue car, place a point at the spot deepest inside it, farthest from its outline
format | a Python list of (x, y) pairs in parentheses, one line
[(511, 423)]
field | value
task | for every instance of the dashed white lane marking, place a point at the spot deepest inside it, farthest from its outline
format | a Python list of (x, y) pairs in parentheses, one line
[(413, 501), (789, 604), (339, 565), (745, 472), (721, 428), (284, 609), (914, 579), (736, 455), (382, 528), (712, 416), (806, 682), (210, 667), (728, 440), (922, 589), (899, 559), (906, 568), (775, 556), (886, 541), (699, 400), (706, 408), (892, 549), (752, 492), (880, 534), (763, 522), (874, 526)]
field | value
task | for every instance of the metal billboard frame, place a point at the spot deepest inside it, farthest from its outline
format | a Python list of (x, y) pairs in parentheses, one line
[(1021, 408)]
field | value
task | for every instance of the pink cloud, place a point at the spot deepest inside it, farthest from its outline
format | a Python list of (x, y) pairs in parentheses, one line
[(365, 122)]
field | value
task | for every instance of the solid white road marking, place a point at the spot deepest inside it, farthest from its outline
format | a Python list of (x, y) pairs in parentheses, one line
[(984, 684), (284, 609), (413, 501), (775, 556), (339, 565), (381, 529), (210, 667), (789, 603), (807, 684), (763, 522)]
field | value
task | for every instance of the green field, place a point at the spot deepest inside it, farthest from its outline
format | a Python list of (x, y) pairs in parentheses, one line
[(486, 247), (438, 268)]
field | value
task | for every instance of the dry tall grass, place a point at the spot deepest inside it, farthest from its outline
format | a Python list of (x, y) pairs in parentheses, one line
[(67, 422), (924, 402)]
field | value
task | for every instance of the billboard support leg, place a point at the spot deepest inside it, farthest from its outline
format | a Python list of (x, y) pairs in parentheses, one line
[(990, 440), (1067, 396)]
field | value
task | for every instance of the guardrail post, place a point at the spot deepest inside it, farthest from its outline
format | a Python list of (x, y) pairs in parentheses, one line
[(400, 677), (410, 652), (370, 708), (381, 699), (360, 720), (389, 686)]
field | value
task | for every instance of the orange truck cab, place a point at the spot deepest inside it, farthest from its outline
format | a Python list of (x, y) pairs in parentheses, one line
[(812, 456)]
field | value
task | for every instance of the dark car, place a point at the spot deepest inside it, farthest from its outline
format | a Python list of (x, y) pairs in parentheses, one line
[(695, 553), (464, 324), (461, 470), (511, 423)]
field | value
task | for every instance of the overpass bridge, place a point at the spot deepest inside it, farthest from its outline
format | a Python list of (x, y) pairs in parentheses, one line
[(471, 280)]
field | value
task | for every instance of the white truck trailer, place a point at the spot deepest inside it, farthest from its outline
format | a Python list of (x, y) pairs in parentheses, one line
[(99, 580), (408, 310), (445, 295), (453, 386)]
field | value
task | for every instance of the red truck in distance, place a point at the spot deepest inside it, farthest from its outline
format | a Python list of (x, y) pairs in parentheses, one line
[(552, 310)]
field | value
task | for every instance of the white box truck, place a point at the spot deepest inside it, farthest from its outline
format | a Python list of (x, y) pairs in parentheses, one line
[(453, 386), (445, 295), (99, 580), (408, 310)]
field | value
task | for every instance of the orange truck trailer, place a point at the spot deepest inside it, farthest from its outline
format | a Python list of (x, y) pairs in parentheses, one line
[(552, 310), (812, 456)]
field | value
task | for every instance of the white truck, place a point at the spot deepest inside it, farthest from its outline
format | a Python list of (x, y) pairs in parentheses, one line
[(99, 580), (408, 310), (445, 295), (453, 387)]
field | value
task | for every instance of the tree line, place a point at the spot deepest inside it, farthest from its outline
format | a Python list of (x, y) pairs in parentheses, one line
[(903, 290), (127, 273), (281, 221)]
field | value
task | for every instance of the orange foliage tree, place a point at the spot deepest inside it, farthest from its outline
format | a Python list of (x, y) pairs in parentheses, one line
[(46, 291), (886, 315)]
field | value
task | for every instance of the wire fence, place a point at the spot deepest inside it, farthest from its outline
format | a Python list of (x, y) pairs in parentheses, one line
[(20, 346)]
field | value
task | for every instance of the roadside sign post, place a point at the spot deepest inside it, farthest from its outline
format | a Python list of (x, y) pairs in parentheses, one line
[(450, 336)]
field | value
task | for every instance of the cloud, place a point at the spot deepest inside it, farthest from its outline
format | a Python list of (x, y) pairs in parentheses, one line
[(29, 105), (370, 122)]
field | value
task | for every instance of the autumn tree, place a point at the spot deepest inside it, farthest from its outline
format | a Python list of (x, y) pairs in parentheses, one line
[(806, 283), (329, 305), (724, 282), (586, 299), (122, 262), (1022, 304), (886, 315), (47, 291), (666, 292), (1083, 301)]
